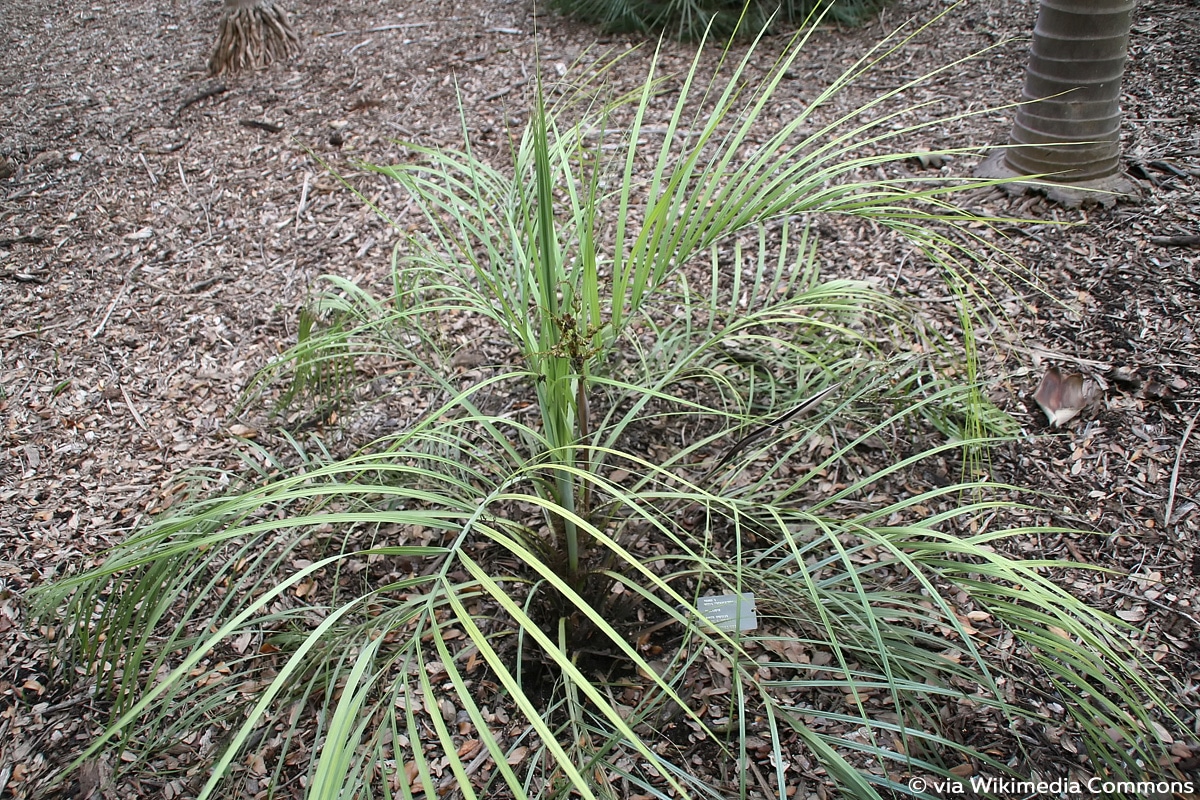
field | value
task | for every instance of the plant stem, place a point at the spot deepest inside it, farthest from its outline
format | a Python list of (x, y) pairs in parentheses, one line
[(582, 415)]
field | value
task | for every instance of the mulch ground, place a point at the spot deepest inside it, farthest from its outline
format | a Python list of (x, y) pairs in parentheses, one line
[(160, 229)]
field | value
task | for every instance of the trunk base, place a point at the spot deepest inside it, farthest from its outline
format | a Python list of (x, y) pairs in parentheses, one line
[(251, 38), (1102, 191)]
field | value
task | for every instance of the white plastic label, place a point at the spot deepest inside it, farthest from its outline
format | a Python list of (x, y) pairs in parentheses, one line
[(729, 612)]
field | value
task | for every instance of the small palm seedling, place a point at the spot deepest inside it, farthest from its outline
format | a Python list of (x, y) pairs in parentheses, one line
[(511, 595)]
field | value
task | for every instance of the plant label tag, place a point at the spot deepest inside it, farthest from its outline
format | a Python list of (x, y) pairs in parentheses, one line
[(729, 612)]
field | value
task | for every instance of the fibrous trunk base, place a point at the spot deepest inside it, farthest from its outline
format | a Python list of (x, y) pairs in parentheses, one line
[(252, 36), (1104, 191)]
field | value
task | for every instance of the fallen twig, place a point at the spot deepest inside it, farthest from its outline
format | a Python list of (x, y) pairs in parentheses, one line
[(401, 27), (200, 286), (136, 416), (26, 277), (65, 704), (1051, 355), (363, 43), (120, 293), (22, 240), (36, 331), (1167, 166), (150, 172), (211, 91), (1175, 241), (507, 90), (1166, 520), (451, 780), (767, 427), (303, 199), (269, 127)]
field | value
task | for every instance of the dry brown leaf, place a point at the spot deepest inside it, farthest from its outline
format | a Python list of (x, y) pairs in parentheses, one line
[(1164, 735), (468, 359), (256, 764), (1062, 397), (1135, 614), (242, 642)]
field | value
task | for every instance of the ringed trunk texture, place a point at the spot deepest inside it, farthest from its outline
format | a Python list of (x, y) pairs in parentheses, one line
[(1068, 127), (253, 34)]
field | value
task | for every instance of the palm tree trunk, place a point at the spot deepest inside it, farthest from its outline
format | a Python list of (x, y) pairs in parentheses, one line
[(1068, 128), (253, 34)]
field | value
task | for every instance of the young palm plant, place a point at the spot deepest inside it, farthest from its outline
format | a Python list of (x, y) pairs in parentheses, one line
[(507, 597)]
